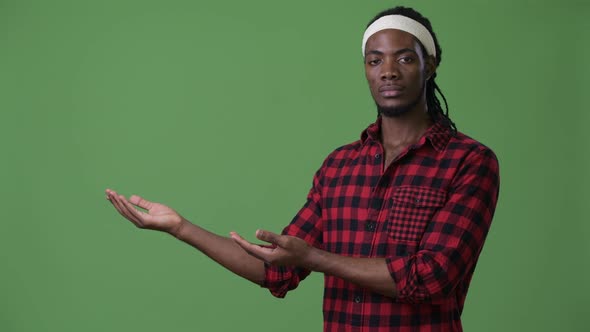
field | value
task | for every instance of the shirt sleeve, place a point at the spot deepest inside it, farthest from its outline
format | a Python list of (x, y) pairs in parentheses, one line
[(307, 226), (455, 236)]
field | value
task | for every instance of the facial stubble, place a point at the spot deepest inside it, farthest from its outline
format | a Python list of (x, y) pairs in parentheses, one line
[(397, 111)]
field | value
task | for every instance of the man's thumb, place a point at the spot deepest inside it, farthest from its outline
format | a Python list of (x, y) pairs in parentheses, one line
[(142, 203)]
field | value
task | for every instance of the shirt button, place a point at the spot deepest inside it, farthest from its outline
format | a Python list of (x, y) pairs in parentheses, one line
[(357, 299), (377, 156), (370, 226)]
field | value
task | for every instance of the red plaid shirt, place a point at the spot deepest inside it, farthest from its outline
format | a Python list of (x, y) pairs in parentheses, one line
[(428, 214)]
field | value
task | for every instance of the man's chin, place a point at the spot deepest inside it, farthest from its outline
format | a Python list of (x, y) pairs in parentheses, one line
[(393, 111)]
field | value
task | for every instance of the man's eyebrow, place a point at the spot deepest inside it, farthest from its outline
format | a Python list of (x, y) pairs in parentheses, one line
[(403, 50), (375, 52)]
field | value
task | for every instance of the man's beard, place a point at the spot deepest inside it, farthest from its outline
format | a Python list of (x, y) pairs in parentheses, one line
[(397, 111)]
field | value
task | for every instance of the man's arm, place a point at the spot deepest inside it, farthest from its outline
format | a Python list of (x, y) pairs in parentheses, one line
[(448, 249), (162, 218), (454, 238), (370, 273)]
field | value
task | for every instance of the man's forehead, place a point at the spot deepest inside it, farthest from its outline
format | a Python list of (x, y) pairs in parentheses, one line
[(402, 24), (392, 38)]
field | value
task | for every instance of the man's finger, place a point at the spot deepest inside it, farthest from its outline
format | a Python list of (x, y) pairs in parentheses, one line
[(140, 216), (117, 202), (139, 201), (122, 211), (239, 240), (257, 251), (111, 192), (270, 237), (247, 246), (127, 212)]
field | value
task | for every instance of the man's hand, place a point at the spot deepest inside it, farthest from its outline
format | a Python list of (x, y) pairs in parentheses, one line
[(287, 250), (158, 216)]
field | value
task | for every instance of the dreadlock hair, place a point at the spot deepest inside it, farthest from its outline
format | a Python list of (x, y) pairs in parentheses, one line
[(435, 109)]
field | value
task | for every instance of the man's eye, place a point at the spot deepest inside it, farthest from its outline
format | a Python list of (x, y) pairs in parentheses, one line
[(406, 59), (374, 62)]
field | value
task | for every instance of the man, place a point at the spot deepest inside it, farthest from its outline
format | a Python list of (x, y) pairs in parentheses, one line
[(395, 221)]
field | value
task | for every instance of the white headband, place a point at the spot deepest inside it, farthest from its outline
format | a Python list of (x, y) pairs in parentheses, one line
[(402, 23)]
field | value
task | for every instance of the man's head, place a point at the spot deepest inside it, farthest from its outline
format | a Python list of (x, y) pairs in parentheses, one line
[(401, 56)]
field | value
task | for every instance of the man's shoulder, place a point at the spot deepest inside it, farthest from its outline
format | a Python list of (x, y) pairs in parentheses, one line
[(346, 151), (469, 145), (349, 147)]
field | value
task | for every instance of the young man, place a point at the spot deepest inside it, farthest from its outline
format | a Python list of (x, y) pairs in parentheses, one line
[(395, 221)]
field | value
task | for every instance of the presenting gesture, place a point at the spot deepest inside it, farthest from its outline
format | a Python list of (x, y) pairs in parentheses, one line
[(157, 216), (223, 250), (286, 250)]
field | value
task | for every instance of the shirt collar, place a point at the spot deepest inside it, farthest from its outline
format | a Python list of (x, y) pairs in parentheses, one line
[(438, 134)]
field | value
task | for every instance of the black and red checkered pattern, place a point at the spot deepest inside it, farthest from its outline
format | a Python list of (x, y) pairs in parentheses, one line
[(428, 215)]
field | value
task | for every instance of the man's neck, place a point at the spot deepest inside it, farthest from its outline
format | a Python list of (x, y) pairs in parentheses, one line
[(399, 132)]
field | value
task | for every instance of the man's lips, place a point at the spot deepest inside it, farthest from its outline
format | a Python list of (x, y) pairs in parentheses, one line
[(390, 90)]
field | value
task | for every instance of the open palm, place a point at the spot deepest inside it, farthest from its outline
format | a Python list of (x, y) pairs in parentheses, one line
[(157, 216)]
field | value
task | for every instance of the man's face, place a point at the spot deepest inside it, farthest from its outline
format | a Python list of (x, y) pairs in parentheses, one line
[(396, 70)]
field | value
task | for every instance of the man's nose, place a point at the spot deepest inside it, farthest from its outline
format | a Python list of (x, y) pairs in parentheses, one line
[(389, 71)]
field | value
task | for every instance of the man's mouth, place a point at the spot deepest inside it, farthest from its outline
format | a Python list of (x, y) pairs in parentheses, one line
[(390, 91)]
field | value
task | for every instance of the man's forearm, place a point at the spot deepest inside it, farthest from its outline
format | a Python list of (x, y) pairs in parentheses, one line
[(223, 250), (370, 273)]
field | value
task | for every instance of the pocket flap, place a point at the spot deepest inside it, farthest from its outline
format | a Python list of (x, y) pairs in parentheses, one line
[(419, 196)]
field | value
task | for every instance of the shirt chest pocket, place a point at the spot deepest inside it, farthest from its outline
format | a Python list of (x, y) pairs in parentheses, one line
[(412, 209)]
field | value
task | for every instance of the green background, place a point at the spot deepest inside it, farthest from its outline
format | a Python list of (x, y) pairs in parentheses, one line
[(224, 110)]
